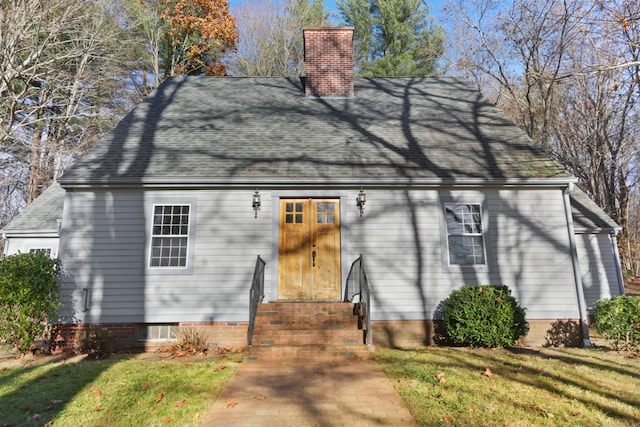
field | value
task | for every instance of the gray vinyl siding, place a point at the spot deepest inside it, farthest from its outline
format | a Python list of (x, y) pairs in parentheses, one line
[(526, 242), (106, 237), (105, 249), (598, 267)]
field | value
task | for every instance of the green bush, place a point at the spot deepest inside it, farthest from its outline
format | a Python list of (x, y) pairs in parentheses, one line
[(483, 316), (618, 320), (29, 297)]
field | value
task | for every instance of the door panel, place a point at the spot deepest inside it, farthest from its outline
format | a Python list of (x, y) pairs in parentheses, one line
[(309, 249)]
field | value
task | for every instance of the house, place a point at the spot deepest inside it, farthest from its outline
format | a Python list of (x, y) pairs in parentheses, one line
[(165, 217), (36, 229)]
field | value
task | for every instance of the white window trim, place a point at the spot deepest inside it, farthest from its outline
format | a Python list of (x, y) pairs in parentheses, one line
[(149, 213), (444, 235), (52, 252)]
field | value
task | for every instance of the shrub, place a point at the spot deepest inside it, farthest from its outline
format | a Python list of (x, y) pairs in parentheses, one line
[(29, 297), (483, 316), (190, 341), (95, 341), (618, 320)]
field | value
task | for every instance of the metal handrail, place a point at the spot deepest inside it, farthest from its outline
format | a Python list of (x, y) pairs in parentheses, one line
[(358, 284), (256, 295)]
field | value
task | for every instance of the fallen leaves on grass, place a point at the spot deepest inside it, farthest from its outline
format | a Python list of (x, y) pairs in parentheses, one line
[(440, 377), (165, 420), (231, 404), (450, 419), (260, 397), (179, 403), (488, 373), (159, 399), (220, 368), (96, 408), (52, 403), (96, 392)]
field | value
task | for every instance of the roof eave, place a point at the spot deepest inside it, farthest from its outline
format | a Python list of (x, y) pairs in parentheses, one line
[(304, 182)]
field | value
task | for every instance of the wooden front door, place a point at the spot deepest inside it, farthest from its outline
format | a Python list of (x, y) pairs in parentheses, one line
[(309, 249)]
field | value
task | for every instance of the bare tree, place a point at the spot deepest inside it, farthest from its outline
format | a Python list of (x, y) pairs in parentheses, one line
[(270, 34), (566, 72), (56, 83)]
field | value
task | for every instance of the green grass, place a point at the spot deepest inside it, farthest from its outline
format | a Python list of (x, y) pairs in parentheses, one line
[(130, 391), (549, 387)]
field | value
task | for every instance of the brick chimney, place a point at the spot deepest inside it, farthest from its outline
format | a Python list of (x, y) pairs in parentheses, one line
[(328, 57)]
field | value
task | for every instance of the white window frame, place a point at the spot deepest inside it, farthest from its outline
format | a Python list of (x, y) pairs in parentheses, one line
[(47, 251), (157, 332), (190, 245), (469, 230)]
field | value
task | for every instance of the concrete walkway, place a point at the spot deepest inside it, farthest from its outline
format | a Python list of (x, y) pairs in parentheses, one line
[(339, 393)]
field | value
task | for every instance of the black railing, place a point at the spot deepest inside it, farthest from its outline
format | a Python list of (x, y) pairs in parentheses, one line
[(256, 295), (358, 285)]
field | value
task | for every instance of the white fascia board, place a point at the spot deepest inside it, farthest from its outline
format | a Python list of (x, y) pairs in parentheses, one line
[(30, 233), (294, 182)]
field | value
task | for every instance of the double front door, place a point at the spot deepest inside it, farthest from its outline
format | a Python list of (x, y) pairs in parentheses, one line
[(309, 249)]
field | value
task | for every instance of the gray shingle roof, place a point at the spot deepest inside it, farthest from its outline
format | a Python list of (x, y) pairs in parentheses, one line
[(42, 215), (265, 129), (587, 215)]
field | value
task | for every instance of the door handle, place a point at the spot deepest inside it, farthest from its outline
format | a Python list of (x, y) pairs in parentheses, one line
[(313, 255)]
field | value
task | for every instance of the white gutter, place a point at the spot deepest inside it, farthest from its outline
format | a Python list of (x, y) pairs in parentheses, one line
[(307, 182), (582, 304), (616, 255)]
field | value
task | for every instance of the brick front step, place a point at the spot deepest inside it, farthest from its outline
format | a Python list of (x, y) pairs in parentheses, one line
[(307, 331), (309, 353), (308, 336)]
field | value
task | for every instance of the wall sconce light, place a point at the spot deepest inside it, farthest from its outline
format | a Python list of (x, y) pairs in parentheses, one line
[(256, 203), (361, 200)]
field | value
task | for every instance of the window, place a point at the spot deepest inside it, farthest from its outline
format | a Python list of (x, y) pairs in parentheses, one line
[(464, 234), (170, 236), (46, 251), (157, 332)]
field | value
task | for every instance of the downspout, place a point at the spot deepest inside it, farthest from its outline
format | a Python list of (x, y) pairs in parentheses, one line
[(582, 304), (616, 256)]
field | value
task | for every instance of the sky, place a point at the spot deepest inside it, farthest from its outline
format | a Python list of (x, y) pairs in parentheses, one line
[(331, 5)]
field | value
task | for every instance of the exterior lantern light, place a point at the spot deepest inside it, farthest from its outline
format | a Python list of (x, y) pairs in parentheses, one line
[(256, 203), (361, 200)]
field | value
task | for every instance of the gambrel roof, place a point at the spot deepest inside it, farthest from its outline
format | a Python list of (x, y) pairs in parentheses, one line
[(252, 131)]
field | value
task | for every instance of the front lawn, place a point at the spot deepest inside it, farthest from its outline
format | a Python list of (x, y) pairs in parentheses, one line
[(131, 391), (521, 387)]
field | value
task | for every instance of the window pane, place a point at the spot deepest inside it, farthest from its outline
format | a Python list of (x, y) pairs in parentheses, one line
[(298, 207), (173, 222), (330, 219), (320, 219), (289, 219), (288, 207), (464, 230), (298, 218), (466, 250), (320, 207), (330, 207)]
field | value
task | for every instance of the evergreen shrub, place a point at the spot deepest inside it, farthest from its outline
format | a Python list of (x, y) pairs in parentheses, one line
[(29, 298), (483, 316)]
